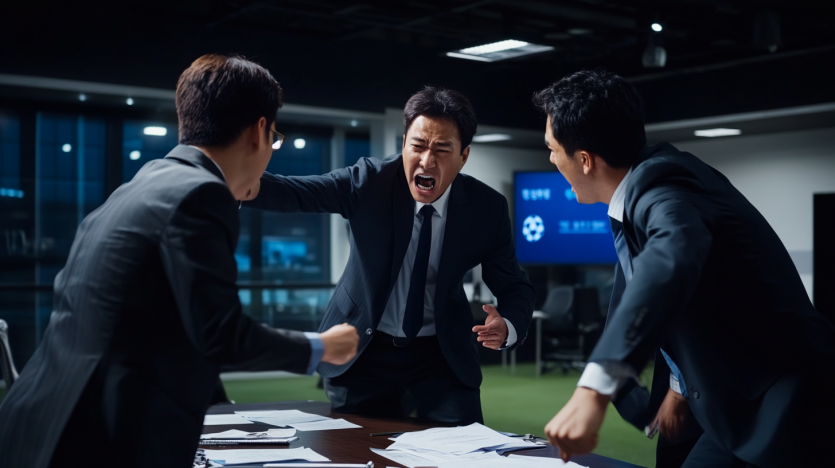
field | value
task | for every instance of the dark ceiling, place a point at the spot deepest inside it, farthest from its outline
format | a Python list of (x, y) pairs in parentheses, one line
[(375, 54)]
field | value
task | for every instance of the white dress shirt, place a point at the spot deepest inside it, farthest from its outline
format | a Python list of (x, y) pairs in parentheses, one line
[(395, 311)]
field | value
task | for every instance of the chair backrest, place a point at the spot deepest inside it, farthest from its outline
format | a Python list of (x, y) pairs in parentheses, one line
[(587, 306), (7, 364), (558, 308)]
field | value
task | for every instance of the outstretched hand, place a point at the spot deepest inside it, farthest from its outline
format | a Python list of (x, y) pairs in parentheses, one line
[(493, 333)]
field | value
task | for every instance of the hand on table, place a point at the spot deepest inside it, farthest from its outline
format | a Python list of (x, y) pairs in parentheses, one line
[(671, 415), (340, 343), (574, 429), (493, 333)]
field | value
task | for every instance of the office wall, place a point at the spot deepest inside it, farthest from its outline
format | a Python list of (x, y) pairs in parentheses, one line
[(778, 173), (495, 165)]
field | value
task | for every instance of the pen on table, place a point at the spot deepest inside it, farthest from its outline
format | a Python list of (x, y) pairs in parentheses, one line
[(374, 434)]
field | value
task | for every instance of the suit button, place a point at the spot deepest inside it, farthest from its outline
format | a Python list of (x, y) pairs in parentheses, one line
[(368, 331), (695, 394)]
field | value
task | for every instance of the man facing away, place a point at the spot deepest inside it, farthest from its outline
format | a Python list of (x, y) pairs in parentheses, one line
[(417, 226), (705, 285), (146, 311)]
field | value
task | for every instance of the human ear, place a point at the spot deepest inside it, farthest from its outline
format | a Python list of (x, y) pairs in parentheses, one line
[(586, 160), (465, 155), (259, 133)]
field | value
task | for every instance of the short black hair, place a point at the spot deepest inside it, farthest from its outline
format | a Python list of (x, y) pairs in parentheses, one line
[(596, 111), (219, 96), (446, 104)]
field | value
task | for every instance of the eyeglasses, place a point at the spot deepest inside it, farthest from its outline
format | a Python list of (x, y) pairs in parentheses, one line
[(279, 139)]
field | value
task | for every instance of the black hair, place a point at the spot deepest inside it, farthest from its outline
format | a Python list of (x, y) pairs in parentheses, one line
[(219, 96), (596, 111), (442, 103)]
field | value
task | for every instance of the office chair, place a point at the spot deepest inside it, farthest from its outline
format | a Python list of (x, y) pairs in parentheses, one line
[(573, 326), (9, 371)]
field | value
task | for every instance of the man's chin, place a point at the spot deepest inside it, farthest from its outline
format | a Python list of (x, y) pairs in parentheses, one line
[(424, 196)]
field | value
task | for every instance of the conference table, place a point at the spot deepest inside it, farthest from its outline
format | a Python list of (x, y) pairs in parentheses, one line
[(354, 445)]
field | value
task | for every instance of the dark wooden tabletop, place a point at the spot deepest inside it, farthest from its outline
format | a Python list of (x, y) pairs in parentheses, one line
[(354, 445)]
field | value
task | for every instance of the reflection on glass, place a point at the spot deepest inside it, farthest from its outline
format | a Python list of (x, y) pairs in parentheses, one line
[(143, 142)]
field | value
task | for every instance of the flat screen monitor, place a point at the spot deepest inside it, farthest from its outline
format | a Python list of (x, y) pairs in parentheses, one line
[(552, 228)]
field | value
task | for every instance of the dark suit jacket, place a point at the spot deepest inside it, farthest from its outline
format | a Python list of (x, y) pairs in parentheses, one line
[(715, 287), (374, 196), (146, 313)]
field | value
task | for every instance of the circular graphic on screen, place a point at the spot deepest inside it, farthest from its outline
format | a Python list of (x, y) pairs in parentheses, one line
[(532, 228)]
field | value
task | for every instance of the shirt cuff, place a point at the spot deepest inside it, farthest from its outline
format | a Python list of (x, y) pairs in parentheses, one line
[(317, 350), (511, 335), (605, 377)]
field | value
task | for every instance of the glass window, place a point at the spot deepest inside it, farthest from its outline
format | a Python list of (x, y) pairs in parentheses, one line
[(144, 141), (70, 158), (356, 146)]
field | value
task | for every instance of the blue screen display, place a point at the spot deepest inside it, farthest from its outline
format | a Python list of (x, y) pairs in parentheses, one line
[(552, 228)]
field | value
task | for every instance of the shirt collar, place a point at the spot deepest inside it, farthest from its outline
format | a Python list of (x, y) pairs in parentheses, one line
[(618, 198), (212, 160), (440, 204)]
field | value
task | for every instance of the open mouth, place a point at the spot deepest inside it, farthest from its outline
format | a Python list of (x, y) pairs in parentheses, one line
[(424, 183)]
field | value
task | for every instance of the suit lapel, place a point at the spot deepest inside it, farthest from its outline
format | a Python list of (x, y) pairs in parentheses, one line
[(455, 233), (403, 216)]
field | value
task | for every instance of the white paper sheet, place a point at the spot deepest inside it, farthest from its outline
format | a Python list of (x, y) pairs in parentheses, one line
[(457, 440), (221, 419), (404, 458), (238, 456), (281, 418), (326, 425), (236, 434)]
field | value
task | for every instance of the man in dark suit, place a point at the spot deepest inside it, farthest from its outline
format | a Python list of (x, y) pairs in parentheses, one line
[(146, 311), (418, 226), (709, 288)]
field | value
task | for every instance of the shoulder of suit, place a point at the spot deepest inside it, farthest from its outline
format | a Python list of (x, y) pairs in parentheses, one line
[(664, 160), (174, 181)]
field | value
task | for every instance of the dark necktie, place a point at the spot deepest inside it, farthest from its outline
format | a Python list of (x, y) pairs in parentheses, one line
[(625, 258), (413, 317)]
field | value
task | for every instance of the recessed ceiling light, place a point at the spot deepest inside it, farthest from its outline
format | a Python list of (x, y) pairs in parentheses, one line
[(299, 143), (66, 148), (490, 137), (657, 27), (579, 31), (134, 155), (354, 123), (717, 132), (129, 101), (82, 97), (501, 50), (155, 131)]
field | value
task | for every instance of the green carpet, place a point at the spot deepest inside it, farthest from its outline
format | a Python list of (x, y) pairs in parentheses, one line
[(518, 403)]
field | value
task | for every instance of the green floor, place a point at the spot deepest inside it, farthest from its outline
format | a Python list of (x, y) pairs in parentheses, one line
[(518, 403)]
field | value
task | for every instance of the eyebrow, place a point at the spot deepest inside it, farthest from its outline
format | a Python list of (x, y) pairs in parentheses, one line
[(440, 143)]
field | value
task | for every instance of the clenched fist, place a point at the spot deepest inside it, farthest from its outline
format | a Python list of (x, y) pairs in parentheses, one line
[(574, 429), (340, 343)]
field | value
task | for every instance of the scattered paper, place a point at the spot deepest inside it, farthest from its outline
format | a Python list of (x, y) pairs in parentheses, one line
[(281, 418), (325, 425), (223, 419), (404, 458), (458, 440), (236, 434), (238, 456)]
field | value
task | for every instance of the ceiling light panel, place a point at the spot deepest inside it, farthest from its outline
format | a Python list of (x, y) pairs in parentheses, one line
[(501, 50), (717, 132), (490, 137)]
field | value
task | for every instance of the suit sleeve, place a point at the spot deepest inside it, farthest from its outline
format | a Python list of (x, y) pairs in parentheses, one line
[(666, 273), (197, 251), (339, 191), (501, 273)]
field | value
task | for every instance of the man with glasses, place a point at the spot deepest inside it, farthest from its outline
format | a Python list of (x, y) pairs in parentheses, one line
[(146, 310), (418, 226)]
